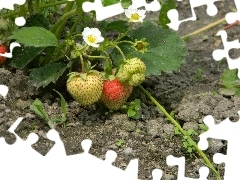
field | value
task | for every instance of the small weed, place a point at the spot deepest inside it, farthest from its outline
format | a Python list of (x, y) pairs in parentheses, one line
[(133, 110), (120, 142), (37, 107), (138, 130)]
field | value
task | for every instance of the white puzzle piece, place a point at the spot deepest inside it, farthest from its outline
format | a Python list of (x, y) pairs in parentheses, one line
[(116, 9), (226, 130), (219, 54), (173, 14)]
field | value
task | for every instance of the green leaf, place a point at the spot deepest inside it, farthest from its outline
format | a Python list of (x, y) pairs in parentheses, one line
[(109, 2), (24, 55), (230, 80), (176, 131), (50, 73), (126, 3), (34, 36), (120, 26), (166, 50), (63, 106), (203, 127), (37, 107), (57, 120), (163, 18), (131, 112), (120, 143)]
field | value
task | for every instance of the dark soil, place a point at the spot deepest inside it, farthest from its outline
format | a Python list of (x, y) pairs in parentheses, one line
[(192, 93)]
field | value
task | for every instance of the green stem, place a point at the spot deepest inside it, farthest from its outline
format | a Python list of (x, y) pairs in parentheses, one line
[(75, 23), (124, 34), (109, 60), (122, 54), (97, 57), (30, 7), (125, 41), (60, 29), (37, 4), (82, 63), (62, 20), (200, 152), (53, 4), (22, 11), (40, 7)]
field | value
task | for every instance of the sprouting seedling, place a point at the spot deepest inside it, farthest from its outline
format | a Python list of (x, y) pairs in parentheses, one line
[(133, 110), (37, 107)]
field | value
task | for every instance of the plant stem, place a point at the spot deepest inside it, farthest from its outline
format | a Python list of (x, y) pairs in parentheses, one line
[(37, 3), (75, 23), (62, 20), (82, 64), (119, 49), (109, 60), (205, 28), (98, 57), (60, 29), (30, 7), (22, 11), (200, 152), (130, 42), (40, 7), (124, 34)]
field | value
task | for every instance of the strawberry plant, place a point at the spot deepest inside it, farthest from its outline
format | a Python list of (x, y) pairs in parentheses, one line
[(96, 61)]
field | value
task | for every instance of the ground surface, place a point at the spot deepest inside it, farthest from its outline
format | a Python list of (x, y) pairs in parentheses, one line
[(191, 93)]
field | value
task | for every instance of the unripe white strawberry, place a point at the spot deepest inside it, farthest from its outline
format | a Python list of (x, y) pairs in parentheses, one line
[(135, 65), (132, 72), (85, 88), (136, 79)]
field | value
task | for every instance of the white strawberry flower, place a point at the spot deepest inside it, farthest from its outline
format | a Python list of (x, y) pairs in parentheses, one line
[(134, 14), (92, 36)]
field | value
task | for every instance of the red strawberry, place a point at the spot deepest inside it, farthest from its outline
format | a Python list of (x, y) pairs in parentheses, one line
[(115, 94), (3, 49)]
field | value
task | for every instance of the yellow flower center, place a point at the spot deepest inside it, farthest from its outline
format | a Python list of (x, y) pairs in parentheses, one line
[(91, 39), (135, 16)]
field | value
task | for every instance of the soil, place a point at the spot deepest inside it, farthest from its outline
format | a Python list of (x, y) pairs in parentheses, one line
[(192, 93)]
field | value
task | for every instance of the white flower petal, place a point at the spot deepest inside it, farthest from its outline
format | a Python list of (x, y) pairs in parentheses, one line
[(96, 32), (141, 12), (94, 45), (100, 39), (85, 31), (130, 11)]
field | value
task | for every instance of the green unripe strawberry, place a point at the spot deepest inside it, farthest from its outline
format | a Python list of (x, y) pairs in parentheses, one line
[(115, 94), (132, 72), (135, 65), (136, 79), (85, 88)]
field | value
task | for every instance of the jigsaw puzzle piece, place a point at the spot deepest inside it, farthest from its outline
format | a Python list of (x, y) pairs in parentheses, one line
[(116, 9), (4, 91), (58, 148), (231, 160), (233, 16), (225, 130), (101, 11), (173, 14), (19, 155), (9, 4), (224, 53), (157, 174), (180, 162)]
